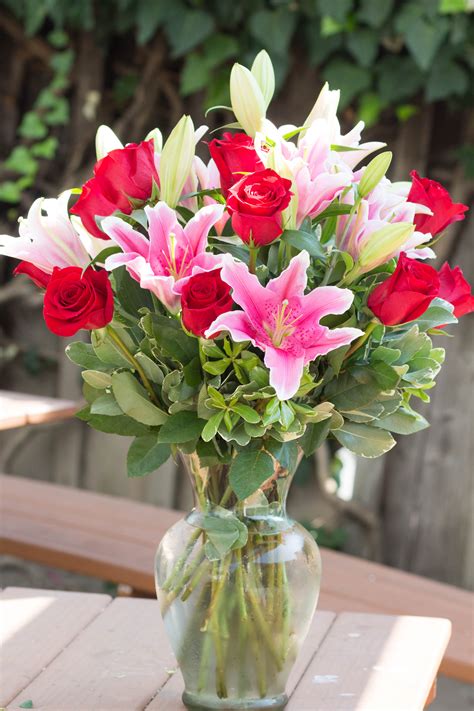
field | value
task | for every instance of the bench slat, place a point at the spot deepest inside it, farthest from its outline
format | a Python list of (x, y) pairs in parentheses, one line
[(36, 626), (20, 409), (115, 539)]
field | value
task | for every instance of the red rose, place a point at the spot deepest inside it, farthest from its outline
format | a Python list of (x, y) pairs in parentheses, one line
[(406, 294), (455, 289), (37, 275), (433, 195), (234, 155), (203, 298), (256, 203), (75, 300), (121, 177)]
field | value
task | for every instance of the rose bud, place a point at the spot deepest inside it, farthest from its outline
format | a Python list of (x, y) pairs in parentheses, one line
[(122, 176), (234, 156), (256, 204), (432, 194), (406, 294), (455, 289), (203, 298), (76, 299)]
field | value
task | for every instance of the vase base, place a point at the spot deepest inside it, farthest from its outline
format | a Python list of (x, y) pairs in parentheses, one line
[(198, 702)]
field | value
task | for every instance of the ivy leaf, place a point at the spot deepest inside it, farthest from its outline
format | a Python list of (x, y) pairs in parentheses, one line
[(188, 29), (249, 469), (337, 9), (398, 78), (423, 35), (364, 440), (146, 455), (181, 427), (374, 12), (348, 77), (363, 45), (447, 78), (32, 126), (21, 161), (273, 28)]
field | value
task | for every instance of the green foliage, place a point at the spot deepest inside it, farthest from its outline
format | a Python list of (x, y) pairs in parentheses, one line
[(394, 50)]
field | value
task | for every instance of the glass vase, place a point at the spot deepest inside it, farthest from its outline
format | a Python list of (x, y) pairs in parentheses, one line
[(238, 583)]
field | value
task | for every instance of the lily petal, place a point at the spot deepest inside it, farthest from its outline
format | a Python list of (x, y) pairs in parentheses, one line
[(293, 279), (128, 239), (285, 371), (197, 229), (247, 290), (237, 323)]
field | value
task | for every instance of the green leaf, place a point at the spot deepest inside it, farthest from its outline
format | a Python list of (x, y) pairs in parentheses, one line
[(402, 422), (398, 78), (181, 427), (273, 29), (97, 379), (314, 436), (337, 9), (363, 44), (152, 370), (83, 354), (286, 453), (348, 77), (217, 367), (379, 372), (439, 313), (171, 338), (246, 413), (106, 405), (146, 455), (62, 62), (133, 400), (130, 295), (387, 355), (45, 149), (188, 29), (27, 704), (370, 108), (303, 240), (32, 126), (347, 393), (107, 351), (21, 161), (119, 424), (423, 35), (375, 12), (447, 78), (211, 426), (249, 469), (225, 532), (149, 16), (364, 440)]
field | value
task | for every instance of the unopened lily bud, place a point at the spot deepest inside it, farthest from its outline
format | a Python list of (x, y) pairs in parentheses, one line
[(247, 99), (325, 106), (157, 139), (106, 141), (383, 244), (374, 173), (176, 161), (262, 70)]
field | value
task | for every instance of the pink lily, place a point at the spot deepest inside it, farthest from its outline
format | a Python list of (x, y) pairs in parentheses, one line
[(171, 254), (282, 321)]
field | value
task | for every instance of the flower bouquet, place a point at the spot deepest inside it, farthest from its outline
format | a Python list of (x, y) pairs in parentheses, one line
[(241, 311)]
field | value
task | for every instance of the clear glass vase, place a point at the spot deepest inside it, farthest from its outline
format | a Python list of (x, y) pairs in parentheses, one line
[(238, 583)]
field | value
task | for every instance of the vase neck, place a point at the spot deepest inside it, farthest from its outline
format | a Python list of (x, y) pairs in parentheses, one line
[(212, 489)]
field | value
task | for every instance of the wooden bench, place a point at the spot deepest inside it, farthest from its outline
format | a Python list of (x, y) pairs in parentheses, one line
[(20, 409), (115, 539)]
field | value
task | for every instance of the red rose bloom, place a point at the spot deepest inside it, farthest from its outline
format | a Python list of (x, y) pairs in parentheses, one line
[(234, 156), (455, 289), (75, 300), (433, 195), (203, 298), (122, 176), (38, 276), (256, 203), (406, 294)]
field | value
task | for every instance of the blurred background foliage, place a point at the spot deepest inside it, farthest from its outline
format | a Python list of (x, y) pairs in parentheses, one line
[(388, 57)]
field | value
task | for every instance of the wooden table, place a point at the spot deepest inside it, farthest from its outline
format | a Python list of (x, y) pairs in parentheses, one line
[(20, 409), (71, 651)]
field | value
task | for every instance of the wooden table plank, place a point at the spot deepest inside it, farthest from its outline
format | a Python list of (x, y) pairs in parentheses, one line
[(36, 625), (20, 409), (169, 697), (373, 662), (117, 663)]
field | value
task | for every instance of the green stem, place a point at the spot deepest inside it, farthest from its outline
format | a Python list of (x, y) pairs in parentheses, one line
[(114, 336), (362, 339), (262, 623), (253, 259)]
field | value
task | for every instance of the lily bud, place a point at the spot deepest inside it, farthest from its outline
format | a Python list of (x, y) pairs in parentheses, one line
[(382, 245), (262, 70), (176, 161), (106, 141), (325, 107), (157, 139), (247, 99), (374, 173)]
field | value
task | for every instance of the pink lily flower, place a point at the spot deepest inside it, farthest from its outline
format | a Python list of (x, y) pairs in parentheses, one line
[(282, 321), (170, 255)]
